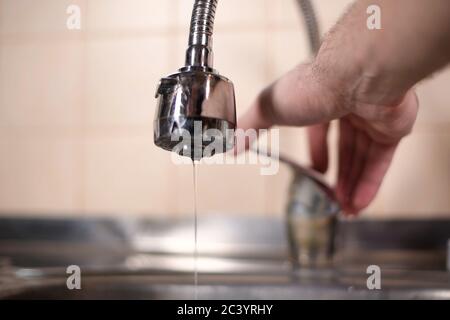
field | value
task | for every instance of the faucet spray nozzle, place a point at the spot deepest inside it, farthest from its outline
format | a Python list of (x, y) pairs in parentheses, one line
[(196, 105)]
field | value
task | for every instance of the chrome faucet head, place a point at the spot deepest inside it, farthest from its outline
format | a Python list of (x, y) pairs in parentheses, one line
[(196, 113), (196, 108)]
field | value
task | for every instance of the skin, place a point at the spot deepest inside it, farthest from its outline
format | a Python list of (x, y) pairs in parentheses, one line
[(365, 79)]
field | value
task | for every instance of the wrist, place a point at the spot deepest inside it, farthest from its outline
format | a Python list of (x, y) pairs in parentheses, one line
[(358, 77)]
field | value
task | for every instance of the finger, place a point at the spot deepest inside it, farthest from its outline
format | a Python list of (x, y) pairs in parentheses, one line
[(296, 99), (258, 115), (318, 145), (346, 149), (255, 119), (376, 165)]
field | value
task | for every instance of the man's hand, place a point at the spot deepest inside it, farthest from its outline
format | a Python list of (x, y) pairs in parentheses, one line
[(366, 148), (369, 133), (364, 78)]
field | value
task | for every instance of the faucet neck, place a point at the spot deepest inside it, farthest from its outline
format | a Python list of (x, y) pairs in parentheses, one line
[(199, 52)]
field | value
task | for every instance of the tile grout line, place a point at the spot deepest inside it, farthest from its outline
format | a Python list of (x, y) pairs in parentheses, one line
[(269, 74), (173, 47), (81, 149), (27, 37)]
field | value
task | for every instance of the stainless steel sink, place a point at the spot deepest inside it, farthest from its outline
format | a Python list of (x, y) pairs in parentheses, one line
[(239, 258), (314, 285)]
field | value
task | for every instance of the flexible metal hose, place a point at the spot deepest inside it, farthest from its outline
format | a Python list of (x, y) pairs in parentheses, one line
[(202, 22), (310, 18), (200, 53)]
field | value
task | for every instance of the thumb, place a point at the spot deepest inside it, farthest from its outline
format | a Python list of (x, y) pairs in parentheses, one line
[(296, 99)]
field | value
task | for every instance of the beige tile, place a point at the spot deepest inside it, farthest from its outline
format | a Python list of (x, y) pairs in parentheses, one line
[(418, 183), (184, 14), (294, 144), (277, 191), (177, 51), (231, 189), (32, 17), (183, 190), (329, 12), (120, 15), (126, 175), (375, 210), (122, 76), (40, 83), (37, 176), (243, 58), (123, 173), (290, 48), (230, 13), (435, 99), (285, 13)]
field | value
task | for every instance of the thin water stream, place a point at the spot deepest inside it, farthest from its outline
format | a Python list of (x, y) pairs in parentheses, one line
[(194, 171)]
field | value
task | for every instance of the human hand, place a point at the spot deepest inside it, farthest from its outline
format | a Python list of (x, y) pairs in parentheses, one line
[(370, 128)]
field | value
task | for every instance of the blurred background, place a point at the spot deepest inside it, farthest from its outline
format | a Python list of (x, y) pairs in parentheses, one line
[(77, 106)]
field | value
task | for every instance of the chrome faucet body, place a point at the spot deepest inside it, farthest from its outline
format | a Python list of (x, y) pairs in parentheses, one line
[(196, 105), (312, 213)]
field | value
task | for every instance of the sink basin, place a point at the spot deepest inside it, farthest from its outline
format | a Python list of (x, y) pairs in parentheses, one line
[(239, 258), (307, 284)]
